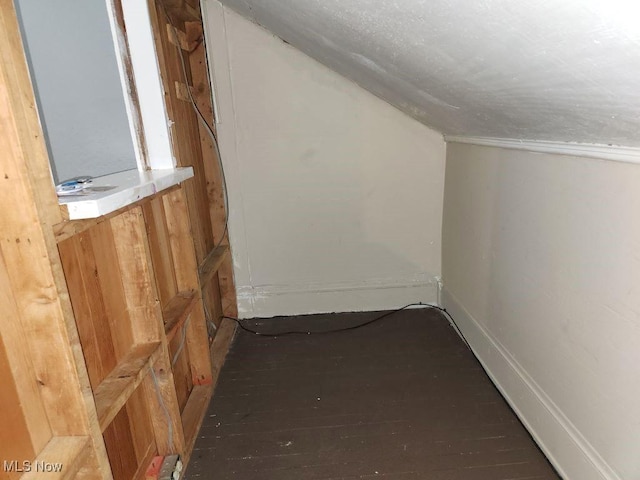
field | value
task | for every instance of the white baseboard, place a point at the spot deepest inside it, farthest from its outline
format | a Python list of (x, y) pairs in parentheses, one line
[(570, 453), (372, 295)]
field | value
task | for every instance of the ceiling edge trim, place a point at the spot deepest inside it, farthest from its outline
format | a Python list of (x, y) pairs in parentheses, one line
[(605, 152)]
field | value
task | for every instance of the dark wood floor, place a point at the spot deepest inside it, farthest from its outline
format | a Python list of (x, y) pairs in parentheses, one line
[(402, 398)]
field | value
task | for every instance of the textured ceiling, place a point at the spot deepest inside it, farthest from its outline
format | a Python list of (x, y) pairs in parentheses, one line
[(560, 70)]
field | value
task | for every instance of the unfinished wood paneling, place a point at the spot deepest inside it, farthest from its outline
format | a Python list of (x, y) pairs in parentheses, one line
[(194, 144), (212, 262), (211, 163), (186, 139), (188, 279), (163, 262), (92, 320), (129, 437), (201, 92), (177, 312), (84, 303), (20, 399), (178, 223), (120, 447), (198, 345), (15, 441), (136, 269), (144, 443), (112, 288), (115, 390), (30, 254), (25, 246), (65, 457)]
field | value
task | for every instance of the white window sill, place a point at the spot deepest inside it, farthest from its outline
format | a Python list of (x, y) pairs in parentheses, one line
[(129, 187)]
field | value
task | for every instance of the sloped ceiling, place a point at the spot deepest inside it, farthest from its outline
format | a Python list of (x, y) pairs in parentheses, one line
[(558, 70)]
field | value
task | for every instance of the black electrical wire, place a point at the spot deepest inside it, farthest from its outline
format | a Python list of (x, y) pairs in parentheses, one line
[(352, 327)]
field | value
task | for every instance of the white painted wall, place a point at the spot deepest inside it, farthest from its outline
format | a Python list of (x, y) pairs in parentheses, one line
[(72, 60), (335, 196), (541, 255)]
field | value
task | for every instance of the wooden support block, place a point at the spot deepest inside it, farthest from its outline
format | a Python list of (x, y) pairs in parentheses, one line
[(177, 311), (212, 263), (117, 387), (180, 39), (61, 459), (182, 92), (177, 37)]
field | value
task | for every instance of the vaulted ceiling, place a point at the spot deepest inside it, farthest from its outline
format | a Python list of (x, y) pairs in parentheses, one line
[(558, 70)]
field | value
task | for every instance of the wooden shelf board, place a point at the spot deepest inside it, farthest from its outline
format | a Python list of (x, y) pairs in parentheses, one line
[(212, 263), (177, 311), (114, 391), (68, 228), (193, 416), (66, 453), (125, 188)]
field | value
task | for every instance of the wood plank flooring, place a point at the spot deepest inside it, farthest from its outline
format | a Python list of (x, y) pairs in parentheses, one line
[(402, 398)]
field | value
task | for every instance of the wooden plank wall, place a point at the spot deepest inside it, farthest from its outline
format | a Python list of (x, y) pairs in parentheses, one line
[(33, 271), (178, 27), (117, 304)]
